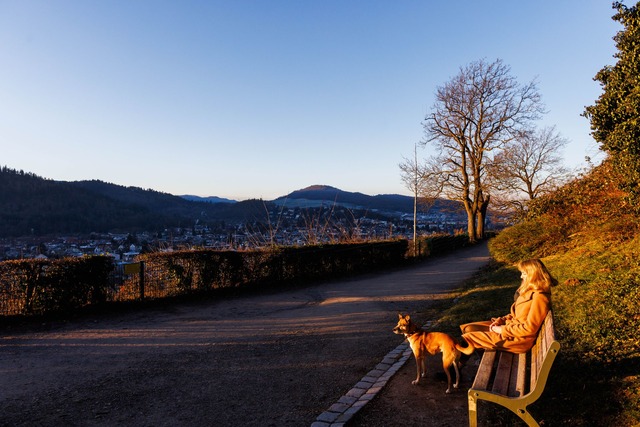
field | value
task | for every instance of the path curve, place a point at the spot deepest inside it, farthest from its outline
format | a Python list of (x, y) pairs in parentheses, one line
[(275, 359)]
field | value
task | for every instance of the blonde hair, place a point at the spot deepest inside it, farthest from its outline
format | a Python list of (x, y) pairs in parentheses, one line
[(538, 277)]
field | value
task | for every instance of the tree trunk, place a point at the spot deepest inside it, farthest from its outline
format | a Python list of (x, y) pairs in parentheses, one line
[(482, 218), (471, 223)]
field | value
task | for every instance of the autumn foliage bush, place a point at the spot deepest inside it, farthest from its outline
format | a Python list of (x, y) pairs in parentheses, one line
[(591, 207)]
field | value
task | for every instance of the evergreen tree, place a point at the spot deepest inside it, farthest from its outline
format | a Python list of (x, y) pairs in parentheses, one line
[(615, 116)]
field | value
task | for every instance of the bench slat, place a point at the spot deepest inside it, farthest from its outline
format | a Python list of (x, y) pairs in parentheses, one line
[(503, 373), (536, 363), (545, 342), (484, 370), (518, 380), (550, 332), (540, 349)]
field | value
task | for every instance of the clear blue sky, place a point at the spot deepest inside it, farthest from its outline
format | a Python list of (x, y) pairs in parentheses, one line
[(245, 99)]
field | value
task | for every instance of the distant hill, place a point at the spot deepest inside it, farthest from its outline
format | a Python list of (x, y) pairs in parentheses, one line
[(210, 199), (323, 195), (32, 205)]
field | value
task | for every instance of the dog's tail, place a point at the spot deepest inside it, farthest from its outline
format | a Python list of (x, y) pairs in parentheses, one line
[(468, 350)]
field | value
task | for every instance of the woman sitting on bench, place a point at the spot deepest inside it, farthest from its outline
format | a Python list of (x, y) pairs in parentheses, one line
[(516, 332)]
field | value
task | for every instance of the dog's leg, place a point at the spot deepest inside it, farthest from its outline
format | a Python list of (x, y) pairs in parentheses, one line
[(457, 369), (446, 371), (451, 357), (419, 370)]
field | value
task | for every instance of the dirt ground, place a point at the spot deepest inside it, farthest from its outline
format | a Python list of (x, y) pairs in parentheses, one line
[(271, 359), (402, 404)]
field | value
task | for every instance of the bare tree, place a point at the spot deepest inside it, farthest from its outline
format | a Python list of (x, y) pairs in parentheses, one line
[(527, 168), (477, 112), (419, 180)]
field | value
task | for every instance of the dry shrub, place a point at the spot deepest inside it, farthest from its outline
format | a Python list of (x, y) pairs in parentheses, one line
[(586, 209)]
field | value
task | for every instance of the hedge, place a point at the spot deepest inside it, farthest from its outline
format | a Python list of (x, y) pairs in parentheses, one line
[(39, 287)]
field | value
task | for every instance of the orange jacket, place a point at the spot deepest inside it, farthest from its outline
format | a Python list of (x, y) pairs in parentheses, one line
[(527, 314), (519, 329)]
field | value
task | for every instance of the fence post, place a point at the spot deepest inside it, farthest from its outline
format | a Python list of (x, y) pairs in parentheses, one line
[(141, 280)]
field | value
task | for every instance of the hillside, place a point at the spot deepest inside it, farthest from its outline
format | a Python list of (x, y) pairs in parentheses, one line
[(323, 195), (33, 205)]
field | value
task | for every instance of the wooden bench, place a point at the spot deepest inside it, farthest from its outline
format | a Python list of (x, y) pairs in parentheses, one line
[(515, 380)]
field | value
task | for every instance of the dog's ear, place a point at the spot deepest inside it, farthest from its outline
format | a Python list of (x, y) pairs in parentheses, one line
[(399, 315), (407, 318)]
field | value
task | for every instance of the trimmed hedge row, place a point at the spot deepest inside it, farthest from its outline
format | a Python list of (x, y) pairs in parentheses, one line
[(439, 244), (43, 286), (37, 287), (202, 271)]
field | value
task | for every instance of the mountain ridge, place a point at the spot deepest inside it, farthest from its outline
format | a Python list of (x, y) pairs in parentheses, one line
[(381, 202), (33, 205), (207, 199)]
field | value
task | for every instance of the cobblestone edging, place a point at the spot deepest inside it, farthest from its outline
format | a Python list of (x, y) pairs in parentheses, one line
[(365, 390)]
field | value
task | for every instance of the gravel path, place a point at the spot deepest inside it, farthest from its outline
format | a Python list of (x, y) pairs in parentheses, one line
[(278, 359)]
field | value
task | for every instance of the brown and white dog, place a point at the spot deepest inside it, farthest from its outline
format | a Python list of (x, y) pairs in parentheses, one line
[(422, 343)]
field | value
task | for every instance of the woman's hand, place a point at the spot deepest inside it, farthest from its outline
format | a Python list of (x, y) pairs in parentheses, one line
[(497, 321), (495, 328)]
